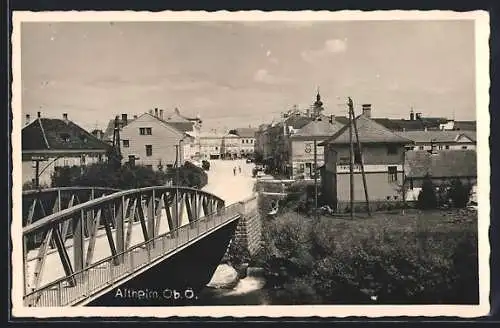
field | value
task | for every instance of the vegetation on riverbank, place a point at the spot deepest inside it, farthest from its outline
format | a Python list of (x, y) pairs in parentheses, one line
[(422, 257)]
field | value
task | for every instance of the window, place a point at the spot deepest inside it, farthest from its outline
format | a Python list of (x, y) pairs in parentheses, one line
[(126, 143), (464, 147), (145, 131), (440, 147), (392, 173), (242, 141), (149, 150), (446, 147), (392, 149), (216, 148), (65, 137), (420, 147), (301, 168)]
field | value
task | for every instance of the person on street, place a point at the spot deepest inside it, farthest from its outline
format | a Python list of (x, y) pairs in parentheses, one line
[(234, 170), (239, 168)]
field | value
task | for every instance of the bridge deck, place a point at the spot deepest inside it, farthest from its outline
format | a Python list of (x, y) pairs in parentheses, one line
[(106, 274)]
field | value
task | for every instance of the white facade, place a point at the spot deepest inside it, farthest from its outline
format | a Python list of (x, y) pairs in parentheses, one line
[(153, 142), (210, 145)]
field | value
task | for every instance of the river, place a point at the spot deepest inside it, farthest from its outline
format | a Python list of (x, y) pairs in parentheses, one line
[(248, 291)]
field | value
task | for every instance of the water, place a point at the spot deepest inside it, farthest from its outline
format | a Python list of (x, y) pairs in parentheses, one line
[(248, 291)]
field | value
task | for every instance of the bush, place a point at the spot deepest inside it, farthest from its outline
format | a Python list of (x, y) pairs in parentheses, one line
[(427, 197), (345, 262), (459, 194)]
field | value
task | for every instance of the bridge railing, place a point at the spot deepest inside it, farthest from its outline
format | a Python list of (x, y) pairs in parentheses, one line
[(87, 282)]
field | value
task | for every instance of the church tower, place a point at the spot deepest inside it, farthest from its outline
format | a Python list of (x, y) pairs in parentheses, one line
[(317, 106)]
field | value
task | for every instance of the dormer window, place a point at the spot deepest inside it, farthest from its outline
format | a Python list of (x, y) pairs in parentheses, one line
[(64, 137)]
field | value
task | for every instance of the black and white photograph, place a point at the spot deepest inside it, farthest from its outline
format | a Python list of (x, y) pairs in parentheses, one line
[(240, 163)]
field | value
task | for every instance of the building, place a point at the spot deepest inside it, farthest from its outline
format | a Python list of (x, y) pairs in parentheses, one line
[(440, 139), (441, 167), (231, 146), (211, 144), (151, 141), (301, 159), (382, 152), (247, 138), (49, 143), (459, 125)]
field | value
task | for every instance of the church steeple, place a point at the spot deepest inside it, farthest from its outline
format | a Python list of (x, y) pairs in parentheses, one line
[(318, 105)]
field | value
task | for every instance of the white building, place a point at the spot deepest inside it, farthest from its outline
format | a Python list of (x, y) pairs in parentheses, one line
[(148, 140)]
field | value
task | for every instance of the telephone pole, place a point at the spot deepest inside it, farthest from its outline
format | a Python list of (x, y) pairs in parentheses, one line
[(351, 160), (351, 110)]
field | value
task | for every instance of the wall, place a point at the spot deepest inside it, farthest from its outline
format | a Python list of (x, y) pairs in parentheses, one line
[(302, 152), (379, 188), (247, 145), (49, 166), (210, 146), (249, 229), (163, 140), (372, 154)]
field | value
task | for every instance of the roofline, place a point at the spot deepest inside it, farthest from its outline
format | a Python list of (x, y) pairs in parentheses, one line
[(166, 124)]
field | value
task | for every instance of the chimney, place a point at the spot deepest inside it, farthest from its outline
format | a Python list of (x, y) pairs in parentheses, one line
[(124, 119), (65, 117), (412, 115), (27, 119), (39, 114), (332, 118), (156, 112), (367, 110), (161, 114)]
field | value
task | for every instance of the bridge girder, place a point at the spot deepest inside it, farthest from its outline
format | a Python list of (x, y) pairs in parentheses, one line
[(75, 226)]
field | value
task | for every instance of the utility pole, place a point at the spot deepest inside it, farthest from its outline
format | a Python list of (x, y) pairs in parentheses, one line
[(177, 167), (37, 173), (351, 110), (351, 161)]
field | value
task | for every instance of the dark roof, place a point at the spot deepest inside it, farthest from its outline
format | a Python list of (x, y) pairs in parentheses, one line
[(297, 121), (246, 132), (411, 125), (444, 164), (444, 136), (369, 131), (465, 125), (322, 128), (50, 134), (181, 126)]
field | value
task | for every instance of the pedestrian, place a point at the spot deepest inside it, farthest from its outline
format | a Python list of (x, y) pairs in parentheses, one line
[(234, 170), (239, 168)]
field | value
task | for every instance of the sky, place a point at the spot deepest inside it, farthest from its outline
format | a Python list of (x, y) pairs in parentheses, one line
[(240, 74)]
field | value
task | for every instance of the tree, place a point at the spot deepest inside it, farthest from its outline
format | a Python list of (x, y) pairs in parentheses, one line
[(427, 197), (459, 194)]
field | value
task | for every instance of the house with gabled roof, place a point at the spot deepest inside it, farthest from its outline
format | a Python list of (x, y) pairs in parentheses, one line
[(300, 158), (51, 143), (151, 141), (382, 152), (440, 139), (441, 167)]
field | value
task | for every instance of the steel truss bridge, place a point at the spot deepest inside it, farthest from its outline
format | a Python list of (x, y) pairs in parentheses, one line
[(81, 242)]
